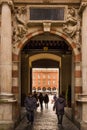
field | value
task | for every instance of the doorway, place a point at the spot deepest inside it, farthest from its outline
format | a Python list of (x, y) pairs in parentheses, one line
[(46, 51)]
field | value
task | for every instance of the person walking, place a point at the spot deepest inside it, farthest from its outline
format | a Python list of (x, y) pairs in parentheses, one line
[(30, 105), (59, 106), (54, 99), (35, 95), (41, 99), (46, 100)]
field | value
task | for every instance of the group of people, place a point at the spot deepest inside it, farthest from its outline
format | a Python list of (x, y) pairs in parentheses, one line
[(31, 104), (41, 98)]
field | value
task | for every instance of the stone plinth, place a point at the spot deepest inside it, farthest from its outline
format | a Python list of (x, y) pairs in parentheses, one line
[(82, 99), (6, 109)]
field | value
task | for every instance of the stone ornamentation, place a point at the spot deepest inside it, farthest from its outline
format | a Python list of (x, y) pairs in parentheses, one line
[(82, 7), (20, 27), (72, 26), (9, 2), (47, 27)]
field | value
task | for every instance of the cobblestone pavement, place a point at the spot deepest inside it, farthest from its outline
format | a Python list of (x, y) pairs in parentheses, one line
[(46, 120)]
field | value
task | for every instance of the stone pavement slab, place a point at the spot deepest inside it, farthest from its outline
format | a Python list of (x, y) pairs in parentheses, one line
[(46, 120)]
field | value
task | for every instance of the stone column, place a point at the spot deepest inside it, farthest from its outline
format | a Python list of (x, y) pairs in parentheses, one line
[(6, 48), (6, 96), (84, 69)]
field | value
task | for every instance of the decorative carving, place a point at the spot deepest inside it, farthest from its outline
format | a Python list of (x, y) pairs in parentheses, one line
[(72, 26), (9, 2), (82, 7), (20, 27), (46, 26)]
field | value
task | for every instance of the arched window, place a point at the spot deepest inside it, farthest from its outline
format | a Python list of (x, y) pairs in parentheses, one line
[(34, 88), (39, 88), (54, 88), (44, 89), (49, 88)]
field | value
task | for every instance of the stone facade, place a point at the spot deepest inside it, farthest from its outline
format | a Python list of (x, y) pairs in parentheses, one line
[(16, 29)]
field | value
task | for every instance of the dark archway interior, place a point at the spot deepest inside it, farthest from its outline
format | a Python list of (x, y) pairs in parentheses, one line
[(46, 43), (45, 63)]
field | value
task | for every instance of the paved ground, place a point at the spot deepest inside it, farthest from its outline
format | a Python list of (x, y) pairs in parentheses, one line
[(46, 120)]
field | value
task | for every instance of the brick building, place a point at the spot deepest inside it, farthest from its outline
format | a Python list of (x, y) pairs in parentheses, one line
[(45, 80)]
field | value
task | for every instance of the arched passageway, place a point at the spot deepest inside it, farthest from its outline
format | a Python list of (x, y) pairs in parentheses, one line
[(51, 46)]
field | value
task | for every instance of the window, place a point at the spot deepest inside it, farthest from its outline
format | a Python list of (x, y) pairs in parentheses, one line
[(44, 82), (38, 82), (38, 76), (39, 88), (54, 82), (34, 82), (48, 82), (34, 76), (49, 88), (47, 13), (54, 88), (44, 89), (48, 76)]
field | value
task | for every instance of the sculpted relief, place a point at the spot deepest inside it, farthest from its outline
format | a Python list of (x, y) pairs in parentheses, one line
[(20, 27), (72, 26)]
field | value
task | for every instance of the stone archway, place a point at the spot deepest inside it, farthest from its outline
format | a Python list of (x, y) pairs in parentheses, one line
[(43, 56), (76, 67)]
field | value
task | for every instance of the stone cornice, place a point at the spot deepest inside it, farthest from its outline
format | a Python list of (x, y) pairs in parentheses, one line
[(7, 98), (82, 7), (47, 1), (82, 98), (58, 1)]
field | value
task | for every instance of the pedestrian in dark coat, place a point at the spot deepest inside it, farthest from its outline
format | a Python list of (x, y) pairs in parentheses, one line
[(41, 99), (54, 98), (46, 100), (30, 105), (35, 95), (59, 106)]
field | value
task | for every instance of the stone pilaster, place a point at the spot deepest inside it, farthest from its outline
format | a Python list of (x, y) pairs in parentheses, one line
[(6, 48), (84, 50), (6, 96), (83, 99)]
